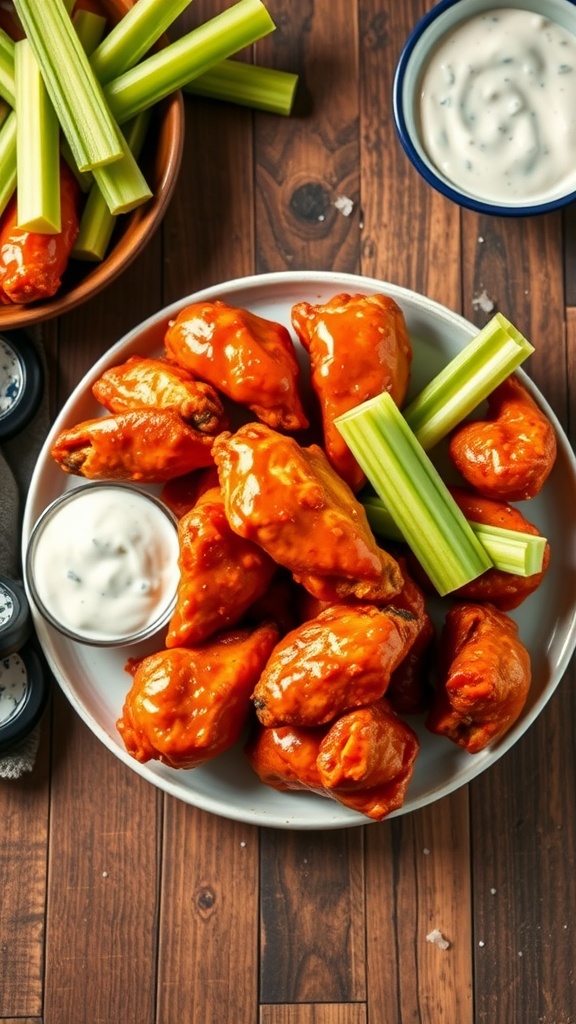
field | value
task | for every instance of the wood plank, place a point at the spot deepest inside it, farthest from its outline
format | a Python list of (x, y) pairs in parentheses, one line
[(312, 917), (524, 886), (208, 950), (102, 896), (208, 230), (417, 882), (24, 817), (314, 1013), (304, 163), (410, 234)]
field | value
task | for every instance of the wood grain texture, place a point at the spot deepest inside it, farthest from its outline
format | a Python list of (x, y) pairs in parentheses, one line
[(417, 882), (304, 164), (316, 1013), (105, 832), (208, 951), (24, 813), (312, 917)]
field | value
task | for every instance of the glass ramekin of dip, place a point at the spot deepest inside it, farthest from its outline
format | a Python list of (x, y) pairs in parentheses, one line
[(101, 564), (485, 103)]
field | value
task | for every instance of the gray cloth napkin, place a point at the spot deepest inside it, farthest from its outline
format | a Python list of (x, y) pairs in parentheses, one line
[(17, 460)]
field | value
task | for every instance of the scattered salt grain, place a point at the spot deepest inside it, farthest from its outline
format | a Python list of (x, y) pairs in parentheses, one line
[(344, 205), (242, 843), (481, 943), (480, 239), (437, 939), (104, 874), (425, 851), (493, 891), (483, 302)]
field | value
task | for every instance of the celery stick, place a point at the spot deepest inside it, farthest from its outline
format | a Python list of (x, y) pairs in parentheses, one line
[(97, 223), (73, 88), (121, 185), (490, 357), (188, 57), (7, 160), (90, 28), (133, 36), (411, 488), (7, 85), (510, 550), (248, 85), (37, 147)]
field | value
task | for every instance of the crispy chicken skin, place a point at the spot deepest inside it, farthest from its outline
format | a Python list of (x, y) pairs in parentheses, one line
[(342, 659), (484, 677), (143, 445), (142, 381), (359, 347), (363, 760), (290, 501), (32, 263), (249, 359), (509, 455), (505, 590), (187, 705), (221, 574)]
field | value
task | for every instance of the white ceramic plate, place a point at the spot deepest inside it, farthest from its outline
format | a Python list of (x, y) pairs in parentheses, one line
[(95, 681)]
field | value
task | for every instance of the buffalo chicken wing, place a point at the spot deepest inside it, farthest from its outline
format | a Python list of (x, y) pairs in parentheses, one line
[(509, 455), (290, 501), (342, 659), (143, 445), (484, 677), (187, 705), (249, 359), (359, 347), (221, 574), (142, 381)]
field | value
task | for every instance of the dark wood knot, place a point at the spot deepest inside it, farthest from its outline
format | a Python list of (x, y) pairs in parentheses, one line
[(310, 202)]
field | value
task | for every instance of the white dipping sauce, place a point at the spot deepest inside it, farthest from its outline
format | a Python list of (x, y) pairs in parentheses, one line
[(498, 107), (105, 562)]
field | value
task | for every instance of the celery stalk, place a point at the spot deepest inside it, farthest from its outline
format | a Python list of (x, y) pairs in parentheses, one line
[(7, 160), (490, 357), (248, 85), (73, 88), (7, 84), (121, 185), (510, 550), (97, 223), (133, 36), (90, 28), (411, 488), (188, 57), (37, 147)]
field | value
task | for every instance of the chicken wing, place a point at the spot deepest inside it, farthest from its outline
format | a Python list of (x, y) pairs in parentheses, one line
[(32, 263), (484, 677), (221, 574), (142, 381), (250, 359), (144, 445), (359, 347), (408, 691), (505, 590), (290, 501), (187, 705), (364, 760), (342, 659), (509, 455)]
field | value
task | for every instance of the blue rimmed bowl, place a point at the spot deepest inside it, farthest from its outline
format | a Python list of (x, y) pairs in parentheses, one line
[(427, 36)]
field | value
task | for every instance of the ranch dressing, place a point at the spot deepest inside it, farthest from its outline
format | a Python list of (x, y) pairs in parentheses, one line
[(105, 563), (498, 107)]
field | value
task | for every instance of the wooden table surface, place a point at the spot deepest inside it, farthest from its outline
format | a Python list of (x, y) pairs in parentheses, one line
[(122, 905)]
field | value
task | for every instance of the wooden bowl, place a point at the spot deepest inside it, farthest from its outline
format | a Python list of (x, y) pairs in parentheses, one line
[(160, 163)]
